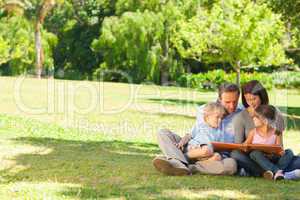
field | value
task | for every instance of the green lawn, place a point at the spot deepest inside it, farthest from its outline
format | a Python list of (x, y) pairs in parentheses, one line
[(89, 140)]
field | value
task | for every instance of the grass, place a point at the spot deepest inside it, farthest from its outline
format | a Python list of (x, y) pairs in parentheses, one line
[(97, 142)]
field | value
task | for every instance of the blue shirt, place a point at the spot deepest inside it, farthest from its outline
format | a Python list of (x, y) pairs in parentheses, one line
[(225, 133), (202, 134)]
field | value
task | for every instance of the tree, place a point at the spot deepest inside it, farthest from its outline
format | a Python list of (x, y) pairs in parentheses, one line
[(37, 13), (138, 41), (77, 23), (241, 33), (131, 44), (43, 9)]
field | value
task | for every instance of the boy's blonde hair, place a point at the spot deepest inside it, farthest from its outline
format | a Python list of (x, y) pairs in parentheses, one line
[(213, 107)]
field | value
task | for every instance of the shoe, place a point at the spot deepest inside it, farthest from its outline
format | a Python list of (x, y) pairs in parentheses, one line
[(268, 175), (171, 166), (242, 172), (293, 175), (278, 175)]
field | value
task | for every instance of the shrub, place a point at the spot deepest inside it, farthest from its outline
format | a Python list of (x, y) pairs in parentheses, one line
[(212, 79)]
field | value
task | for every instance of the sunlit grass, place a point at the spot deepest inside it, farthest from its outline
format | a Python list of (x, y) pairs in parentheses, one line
[(56, 147)]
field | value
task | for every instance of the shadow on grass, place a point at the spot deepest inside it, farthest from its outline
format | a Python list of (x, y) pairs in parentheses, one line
[(176, 101), (117, 169)]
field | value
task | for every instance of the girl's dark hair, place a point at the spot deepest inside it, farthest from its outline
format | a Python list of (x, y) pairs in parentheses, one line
[(266, 111), (256, 88)]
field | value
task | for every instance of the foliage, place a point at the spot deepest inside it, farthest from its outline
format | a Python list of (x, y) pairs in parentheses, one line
[(212, 79), (241, 33), (138, 43), (286, 79), (17, 45)]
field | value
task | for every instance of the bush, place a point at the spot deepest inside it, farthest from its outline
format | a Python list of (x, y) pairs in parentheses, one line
[(212, 79), (286, 79)]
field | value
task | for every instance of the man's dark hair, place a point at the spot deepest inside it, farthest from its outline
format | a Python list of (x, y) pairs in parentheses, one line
[(228, 87), (254, 87)]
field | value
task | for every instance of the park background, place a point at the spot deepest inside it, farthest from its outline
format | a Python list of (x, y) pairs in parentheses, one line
[(86, 84)]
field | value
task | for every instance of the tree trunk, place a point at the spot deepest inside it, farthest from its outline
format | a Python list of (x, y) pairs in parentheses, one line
[(38, 50), (164, 68), (289, 34), (45, 8), (238, 73)]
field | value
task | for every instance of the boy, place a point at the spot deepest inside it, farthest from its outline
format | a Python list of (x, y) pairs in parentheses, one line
[(204, 134)]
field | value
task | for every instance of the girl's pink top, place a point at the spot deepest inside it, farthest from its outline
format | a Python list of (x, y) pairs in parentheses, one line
[(258, 139)]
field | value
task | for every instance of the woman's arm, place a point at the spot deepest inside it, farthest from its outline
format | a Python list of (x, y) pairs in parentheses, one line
[(249, 139), (239, 129)]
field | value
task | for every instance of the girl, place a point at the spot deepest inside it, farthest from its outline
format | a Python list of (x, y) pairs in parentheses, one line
[(265, 133)]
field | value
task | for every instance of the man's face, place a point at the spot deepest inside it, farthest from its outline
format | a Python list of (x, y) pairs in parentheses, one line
[(230, 100)]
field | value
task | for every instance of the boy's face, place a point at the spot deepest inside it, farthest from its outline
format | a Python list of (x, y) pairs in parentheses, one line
[(214, 119)]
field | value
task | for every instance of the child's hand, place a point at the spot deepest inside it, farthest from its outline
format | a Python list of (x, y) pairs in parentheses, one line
[(244, 147), (282, 152), (183, 141), (180, 145), (217, 157)]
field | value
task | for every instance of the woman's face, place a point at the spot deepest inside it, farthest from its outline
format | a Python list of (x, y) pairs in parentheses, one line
[(252, 100)]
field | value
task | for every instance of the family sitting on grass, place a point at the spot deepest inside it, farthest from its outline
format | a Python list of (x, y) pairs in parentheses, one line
[(224, 121)]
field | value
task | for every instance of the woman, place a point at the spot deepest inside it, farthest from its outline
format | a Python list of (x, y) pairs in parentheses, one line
[(254, 95)]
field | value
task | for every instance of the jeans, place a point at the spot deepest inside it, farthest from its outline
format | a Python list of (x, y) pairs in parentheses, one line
[(273, 164), (294, 164), (244, 161)]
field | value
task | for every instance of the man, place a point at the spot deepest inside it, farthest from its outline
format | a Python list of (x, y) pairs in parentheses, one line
[(175, 162)]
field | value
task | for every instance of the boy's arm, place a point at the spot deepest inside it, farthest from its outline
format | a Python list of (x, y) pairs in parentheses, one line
[(202, 152), (203, 148)]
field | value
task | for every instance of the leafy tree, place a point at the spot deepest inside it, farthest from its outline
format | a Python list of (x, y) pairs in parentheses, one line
[(17, 41), (76, 24), (36, 13), (139, 42), (241, 33)]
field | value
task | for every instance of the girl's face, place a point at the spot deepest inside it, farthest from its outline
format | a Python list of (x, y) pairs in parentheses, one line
[(252, 100), (258, 121), (214, 119)]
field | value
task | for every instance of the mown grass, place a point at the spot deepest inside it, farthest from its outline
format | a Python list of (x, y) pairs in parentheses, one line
[(65, 152)]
